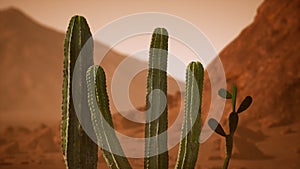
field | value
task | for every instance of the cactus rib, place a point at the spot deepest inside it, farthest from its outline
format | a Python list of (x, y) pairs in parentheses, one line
[(190, 134), (156, 154), (78, 149), (102, 123)]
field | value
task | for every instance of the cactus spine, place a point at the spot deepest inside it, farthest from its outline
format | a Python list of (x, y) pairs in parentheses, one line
[(156, 154), (233, 121), (102, 123), (79, 150), (191, 127)]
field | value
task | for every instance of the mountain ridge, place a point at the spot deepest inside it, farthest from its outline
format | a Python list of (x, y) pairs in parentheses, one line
[(32, 68)]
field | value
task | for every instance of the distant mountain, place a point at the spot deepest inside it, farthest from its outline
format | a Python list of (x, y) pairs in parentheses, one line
[(264, 62), (31, 70), (31, 67)]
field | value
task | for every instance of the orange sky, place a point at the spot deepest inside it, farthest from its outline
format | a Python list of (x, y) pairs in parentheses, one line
[(220, 20)]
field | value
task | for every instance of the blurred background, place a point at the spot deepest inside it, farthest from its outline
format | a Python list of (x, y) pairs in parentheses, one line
[(257, 42)]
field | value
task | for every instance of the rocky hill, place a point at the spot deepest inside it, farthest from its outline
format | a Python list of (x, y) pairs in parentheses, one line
[(263, 61)]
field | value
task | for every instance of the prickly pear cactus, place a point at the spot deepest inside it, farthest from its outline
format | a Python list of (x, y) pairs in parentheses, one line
[(233, 121)]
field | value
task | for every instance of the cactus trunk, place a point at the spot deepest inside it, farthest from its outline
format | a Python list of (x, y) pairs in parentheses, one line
[(102, 120), (229, 146), (191, 127), (156, 148), (79, 150)]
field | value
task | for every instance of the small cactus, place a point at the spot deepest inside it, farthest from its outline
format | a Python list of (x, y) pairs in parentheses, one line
[(233, 121)]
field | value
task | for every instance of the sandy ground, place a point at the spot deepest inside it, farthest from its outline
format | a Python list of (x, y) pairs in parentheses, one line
[(256, 147)]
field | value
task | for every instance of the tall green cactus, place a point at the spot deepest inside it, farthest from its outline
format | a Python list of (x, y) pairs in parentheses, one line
[(191, 127), (156, 154), (233, 121), (102, 123), (79, 151)]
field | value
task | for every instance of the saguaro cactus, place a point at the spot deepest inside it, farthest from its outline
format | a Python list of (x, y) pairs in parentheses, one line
[(79, 151), (190, 134), (233, 121), (102, 120), (156, 154)]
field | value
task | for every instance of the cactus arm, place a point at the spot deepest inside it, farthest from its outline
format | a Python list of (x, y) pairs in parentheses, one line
[(214, 125), (157, 79), (189, 145), (234, 93), (78, 149), (102, 123), (224, 94), (245, 104)]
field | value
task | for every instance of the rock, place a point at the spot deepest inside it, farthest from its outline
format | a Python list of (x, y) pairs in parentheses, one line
[(249, 134), (10, 148), (42, 141), (247, 150), (288, 131)]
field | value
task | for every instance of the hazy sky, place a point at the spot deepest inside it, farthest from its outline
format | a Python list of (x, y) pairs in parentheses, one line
[(220, 20)]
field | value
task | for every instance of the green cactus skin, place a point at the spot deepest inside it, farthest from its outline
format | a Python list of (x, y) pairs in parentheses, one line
[(229, 147), (233, 121), (103, 124), (234, 93), (189, 145), (79, 151), (157, 79)]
